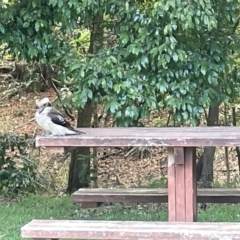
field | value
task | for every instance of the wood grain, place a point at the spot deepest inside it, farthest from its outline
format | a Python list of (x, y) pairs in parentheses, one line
[(186, 136), (146, 195), (75, 229)]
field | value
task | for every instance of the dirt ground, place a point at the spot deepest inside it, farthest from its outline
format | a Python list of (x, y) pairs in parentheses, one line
[(115, 168)]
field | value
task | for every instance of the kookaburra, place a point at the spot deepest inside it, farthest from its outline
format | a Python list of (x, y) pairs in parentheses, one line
[(51, 120)]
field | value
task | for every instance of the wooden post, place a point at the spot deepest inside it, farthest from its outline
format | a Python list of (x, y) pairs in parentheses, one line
[(182, 189), (171, 186), (191, 184)]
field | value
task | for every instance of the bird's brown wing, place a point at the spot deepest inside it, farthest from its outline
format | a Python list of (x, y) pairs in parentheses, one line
[(58, 119)]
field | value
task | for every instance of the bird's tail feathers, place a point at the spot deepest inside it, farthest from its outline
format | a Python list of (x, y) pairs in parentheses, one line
[(75, 131), (80, 132)]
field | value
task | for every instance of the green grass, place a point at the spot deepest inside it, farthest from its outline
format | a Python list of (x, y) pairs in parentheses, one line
[(16, 214)]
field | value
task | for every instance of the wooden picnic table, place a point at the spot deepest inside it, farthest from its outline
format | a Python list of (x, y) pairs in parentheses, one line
[(181, 144)]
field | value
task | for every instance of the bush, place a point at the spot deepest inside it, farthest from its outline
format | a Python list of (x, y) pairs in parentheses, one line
[(18, 170)]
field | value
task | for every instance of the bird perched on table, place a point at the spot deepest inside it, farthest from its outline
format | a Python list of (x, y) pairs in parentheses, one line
[(52, 120)]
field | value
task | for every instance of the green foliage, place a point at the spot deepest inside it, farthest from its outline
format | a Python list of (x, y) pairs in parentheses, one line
[(18, 172), (37, 27), (171, 52), (174, 53)]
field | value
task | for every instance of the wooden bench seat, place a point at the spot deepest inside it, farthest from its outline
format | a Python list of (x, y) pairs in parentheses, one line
[(75, 229), (90, 197)]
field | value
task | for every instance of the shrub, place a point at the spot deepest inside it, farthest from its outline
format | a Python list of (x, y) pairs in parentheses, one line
[(18, 170)]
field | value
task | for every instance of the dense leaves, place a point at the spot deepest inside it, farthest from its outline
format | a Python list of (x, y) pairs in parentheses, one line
[(171, 52), (18, 172), (33, 30)]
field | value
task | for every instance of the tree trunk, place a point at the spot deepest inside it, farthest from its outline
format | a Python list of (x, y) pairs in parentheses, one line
[(79, 171), (79, 168), (205, 163)]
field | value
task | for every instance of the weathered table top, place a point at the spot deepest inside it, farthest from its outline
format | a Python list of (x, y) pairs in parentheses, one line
[(178, 137)]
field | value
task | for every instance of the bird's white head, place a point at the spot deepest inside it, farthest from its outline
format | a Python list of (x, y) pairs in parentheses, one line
[(42, 103)]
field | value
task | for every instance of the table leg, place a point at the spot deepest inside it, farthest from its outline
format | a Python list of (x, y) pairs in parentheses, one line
[(182, 187)]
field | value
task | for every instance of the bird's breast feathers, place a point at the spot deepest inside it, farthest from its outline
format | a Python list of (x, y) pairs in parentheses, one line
[(46, 123)]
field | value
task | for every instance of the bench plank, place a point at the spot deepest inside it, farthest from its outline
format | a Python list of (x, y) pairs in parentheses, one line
[(75, 229), (152, 137), (146, 195)]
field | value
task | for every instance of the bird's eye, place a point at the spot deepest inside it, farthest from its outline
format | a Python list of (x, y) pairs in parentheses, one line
[(47, 105)]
